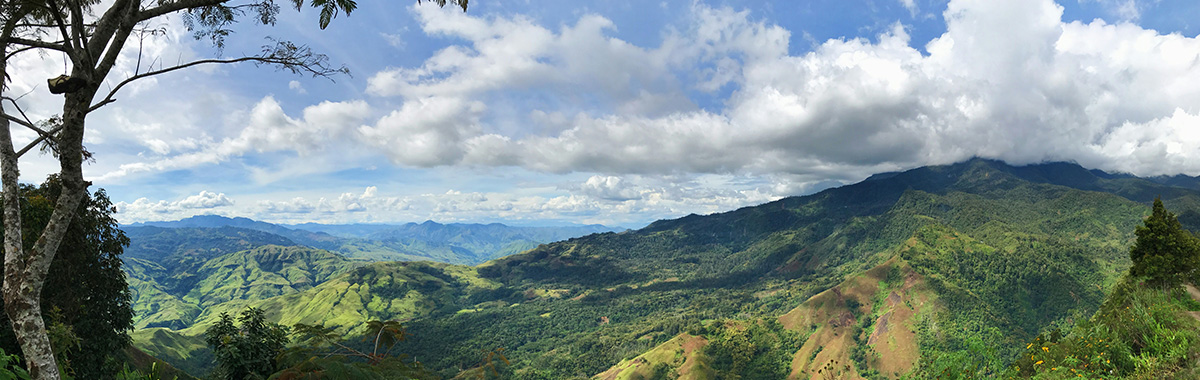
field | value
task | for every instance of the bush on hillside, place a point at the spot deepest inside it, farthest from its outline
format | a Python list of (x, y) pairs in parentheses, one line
[(1164, 254)]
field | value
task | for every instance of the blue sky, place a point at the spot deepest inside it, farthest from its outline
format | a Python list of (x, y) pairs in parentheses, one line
[(623, 112)]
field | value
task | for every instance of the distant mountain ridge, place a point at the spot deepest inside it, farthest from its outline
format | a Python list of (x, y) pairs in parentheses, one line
[(455, 243)]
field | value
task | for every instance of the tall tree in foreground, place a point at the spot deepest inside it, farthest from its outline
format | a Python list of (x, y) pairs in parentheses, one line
[(92, 35), (88, 294), (1164, 253)]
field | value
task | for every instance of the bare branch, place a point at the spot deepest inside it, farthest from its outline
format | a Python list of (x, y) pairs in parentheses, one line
[(100, 71), (49, 135), (80, 36), (62, 28), (18, 51), (107, 26), (57, 45), (22, 122), (176, 6), (51, 26), (288, 56)]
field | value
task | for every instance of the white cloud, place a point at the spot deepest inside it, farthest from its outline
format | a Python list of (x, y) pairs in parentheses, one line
[(395, 40), (294, 206), (267, 129), (1048, 90), (610, 188), (297, 87), (144, 209), (426, 132), (205, 199)]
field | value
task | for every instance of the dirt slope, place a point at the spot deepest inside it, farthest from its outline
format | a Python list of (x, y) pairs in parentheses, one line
[(875, 310)]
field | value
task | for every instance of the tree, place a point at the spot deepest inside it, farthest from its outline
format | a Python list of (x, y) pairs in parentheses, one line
[(321, 353), (1164, 252), (92, 40), (88, 292), (248, 351)]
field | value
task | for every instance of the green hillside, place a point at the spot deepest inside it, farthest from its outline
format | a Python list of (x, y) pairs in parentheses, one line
[(378, 291), (1052, 246), (973, 252), (174, 299)]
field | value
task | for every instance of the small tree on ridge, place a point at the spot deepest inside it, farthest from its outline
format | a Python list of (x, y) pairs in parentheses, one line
[(1164, 253)]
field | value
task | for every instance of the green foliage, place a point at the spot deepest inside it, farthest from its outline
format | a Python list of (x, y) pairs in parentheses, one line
[(86, 298), (1140, 332), (187, 353), (1019, 292), (10, 367), (978, 358), (321, 353), (755, 350), (178, 273), (248, 350), (1164, 253), (176, 298), (155, 373)]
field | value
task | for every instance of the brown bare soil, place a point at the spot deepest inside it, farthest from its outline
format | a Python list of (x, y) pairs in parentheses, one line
[(828, 348)]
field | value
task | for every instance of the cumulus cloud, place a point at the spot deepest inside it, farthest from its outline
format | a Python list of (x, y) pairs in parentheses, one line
[(296, 205), (297, 87), (610, 188), (1046, 91), (206, 199), (267, 128), (144, 209), (343, 203)]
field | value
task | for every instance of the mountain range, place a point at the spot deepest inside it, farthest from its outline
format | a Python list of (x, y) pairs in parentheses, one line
[(865, 280)]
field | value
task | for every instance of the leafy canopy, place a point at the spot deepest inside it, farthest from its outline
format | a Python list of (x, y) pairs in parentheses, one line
[(247, 351), (86, 298), (1164, 253)]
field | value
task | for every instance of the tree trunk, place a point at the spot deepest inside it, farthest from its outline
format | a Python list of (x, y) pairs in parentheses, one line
[(13, 252), (25, 271)]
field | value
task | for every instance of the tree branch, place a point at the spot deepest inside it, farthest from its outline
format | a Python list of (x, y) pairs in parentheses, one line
[(175, 6), (18, 51), (58, 45), (105, 27), (42, 135), (26, 122), (118, 42), (62, 28), (80, 36), (35, 142), (288, 56)]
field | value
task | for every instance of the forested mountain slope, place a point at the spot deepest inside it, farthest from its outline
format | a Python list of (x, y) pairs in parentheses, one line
[(175, 298), (945, 257), (1014, 249)]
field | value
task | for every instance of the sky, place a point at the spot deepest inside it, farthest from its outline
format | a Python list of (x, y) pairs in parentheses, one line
[(625, 112)]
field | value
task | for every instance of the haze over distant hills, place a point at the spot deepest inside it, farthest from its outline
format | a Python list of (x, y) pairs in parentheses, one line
[(454, 243)]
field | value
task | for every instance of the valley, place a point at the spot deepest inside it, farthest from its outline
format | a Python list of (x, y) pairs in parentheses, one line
[(902, 274)]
